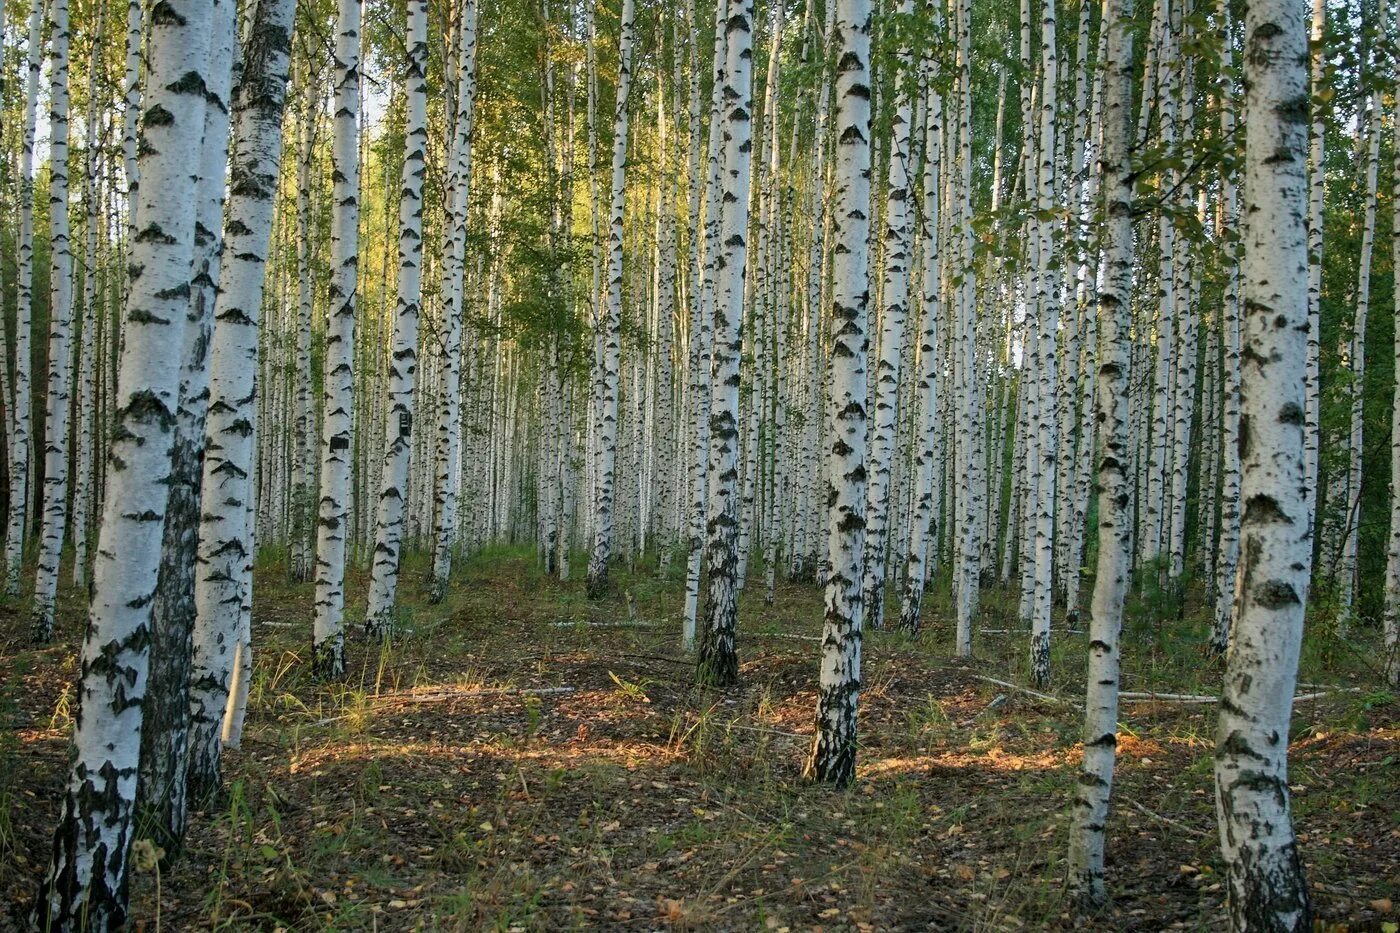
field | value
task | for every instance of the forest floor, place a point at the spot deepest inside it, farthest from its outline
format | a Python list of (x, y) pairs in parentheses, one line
[(523, 759)]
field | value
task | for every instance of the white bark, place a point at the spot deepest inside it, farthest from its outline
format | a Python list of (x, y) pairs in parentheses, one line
[(223, 581), (894, 312), (718, 663), (57, 403), (403, 362), (86, 885), (1266, 887), (21, 437), (333, 505), (608, 363), (1090, 811), (834, 753), (449, 452)]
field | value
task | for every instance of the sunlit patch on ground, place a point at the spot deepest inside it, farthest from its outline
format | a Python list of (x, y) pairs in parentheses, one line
[(497, 769)]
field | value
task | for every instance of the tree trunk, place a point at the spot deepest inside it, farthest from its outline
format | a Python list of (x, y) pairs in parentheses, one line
[(57, 403), (1266, 887), (834, 753), (609, 362), (1090, 811), (403, 362), (337, 424), (718, 661), (87, 882), (223, 584)]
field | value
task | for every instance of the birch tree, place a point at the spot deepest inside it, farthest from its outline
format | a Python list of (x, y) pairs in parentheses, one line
[(57, 401), (1266, 887), (607, 365), (834, 753), (21, 434), (1091, 803), (222, 641), (333, 513), (87, 881), (449, 452), (718, 660), (403, 366)]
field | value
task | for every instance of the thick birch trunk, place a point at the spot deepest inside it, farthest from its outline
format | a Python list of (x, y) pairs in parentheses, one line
[(87, 881), (1266, 887)]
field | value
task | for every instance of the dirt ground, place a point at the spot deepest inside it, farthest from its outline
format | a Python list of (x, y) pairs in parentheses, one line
[(522, 759)]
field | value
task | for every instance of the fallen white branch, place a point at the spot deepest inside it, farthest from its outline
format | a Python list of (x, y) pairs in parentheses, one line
[(1146, 697), (1025, 690), (1191, 830)]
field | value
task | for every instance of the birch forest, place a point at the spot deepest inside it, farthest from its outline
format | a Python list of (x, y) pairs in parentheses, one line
[(700, 464)]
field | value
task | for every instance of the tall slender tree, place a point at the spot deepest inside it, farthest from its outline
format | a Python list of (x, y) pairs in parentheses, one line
[(403, 363), (1266, 887), (333, 513), (1091, 802), (607, 365), (719, 661), (57, 403), (834, 753)]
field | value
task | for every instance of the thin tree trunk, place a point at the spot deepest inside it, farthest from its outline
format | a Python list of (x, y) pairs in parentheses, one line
[(718, 663), (1090, 811), (449, 452), (609, 362), (834, 752), (22, 437), (333, 506), (57, 404), (403, 363)]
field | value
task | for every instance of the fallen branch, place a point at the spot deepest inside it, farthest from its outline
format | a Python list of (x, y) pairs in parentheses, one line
[(1190, 830), (1147, 697), (1025, 690)]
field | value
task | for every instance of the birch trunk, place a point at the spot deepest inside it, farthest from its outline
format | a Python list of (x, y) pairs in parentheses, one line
[(403, 362), (718, 663), (1391, 618), (834, 753), (916, 568), (610, 360), (1091, 803), (1227, 561), (1266, 887), (337, 425), (223, 582), (21, 437), (57, 404), (161, 786), (87, 882), (894, 312), (449, 452)]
